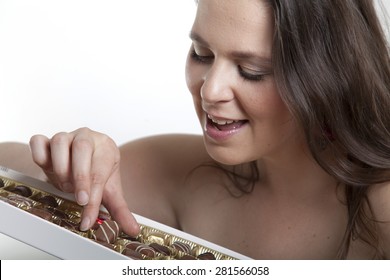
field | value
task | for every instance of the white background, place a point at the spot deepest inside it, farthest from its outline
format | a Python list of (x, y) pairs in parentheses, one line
[(116, 66)]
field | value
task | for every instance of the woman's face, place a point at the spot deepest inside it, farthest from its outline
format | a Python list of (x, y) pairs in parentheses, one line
[(229, 73)]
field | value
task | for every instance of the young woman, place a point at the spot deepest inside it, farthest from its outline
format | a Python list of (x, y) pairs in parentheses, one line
[(294, 162)]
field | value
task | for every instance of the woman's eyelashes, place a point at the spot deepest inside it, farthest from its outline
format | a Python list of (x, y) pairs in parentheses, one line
[(245, 74), (201, 58), (250, 76)]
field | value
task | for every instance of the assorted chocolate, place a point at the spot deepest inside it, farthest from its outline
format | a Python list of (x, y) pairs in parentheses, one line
[(150, 244), (21, 190), (108, 231)]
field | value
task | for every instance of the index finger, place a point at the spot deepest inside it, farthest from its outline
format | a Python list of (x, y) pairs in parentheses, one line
[(115, 203)]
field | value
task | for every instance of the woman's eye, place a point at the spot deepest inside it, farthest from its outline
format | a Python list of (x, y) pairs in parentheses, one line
[(201, 58), (250, 75)]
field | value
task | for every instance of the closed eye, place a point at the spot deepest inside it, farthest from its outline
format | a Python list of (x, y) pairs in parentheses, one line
[(255, 77), (201, 58)]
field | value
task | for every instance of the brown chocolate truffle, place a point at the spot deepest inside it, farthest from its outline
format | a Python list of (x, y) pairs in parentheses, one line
[(127, 237), (44, 214), (182, 247), (21, 190), (48, 200), (186, 257), (141, 248), (132, 254), (108, 231), (161, 249), (105, 244), (59, 214), (206, 256), (133, 245), (55, 212)]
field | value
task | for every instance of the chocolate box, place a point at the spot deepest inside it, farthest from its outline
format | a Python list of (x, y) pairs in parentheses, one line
[(36, 213)]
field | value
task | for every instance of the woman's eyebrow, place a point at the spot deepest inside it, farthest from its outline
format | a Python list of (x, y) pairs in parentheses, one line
[(248, 55), (197, 38)]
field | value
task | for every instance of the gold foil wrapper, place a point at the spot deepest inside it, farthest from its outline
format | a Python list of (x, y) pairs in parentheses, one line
[(67, 214)]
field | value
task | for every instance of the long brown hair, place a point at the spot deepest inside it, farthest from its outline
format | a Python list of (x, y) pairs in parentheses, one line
[(332, 68)]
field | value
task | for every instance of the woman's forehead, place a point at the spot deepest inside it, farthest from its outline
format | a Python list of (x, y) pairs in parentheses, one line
[(235, 23)]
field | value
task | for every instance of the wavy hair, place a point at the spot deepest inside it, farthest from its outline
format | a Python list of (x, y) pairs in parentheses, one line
[(332, 68)]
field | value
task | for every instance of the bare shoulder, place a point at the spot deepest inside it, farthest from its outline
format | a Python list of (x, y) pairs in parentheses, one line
[(17, 156), (168, 153), (379, 197), (153, 170)]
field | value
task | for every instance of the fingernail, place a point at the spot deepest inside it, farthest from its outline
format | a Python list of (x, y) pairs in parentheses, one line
[(85, 224), (82, 198)]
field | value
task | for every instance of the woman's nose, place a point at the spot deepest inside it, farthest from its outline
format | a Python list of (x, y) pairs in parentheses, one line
[(217, 84)]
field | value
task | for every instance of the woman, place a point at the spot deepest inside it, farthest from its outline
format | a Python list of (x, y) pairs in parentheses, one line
[(293, 99)]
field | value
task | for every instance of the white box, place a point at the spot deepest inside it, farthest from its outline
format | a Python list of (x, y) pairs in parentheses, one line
[(65, 244)]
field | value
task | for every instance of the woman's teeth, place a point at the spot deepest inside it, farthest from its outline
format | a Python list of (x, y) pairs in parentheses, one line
[(221, 122)]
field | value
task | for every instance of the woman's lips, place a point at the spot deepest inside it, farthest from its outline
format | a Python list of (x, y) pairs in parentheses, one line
[(225, 124), (221, 129)]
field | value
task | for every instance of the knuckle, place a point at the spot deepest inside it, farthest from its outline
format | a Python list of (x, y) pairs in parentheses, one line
[(110, 144), (84, 130), (80, 177), (82, 144), (106, 140), (97, 178), (59, 138)]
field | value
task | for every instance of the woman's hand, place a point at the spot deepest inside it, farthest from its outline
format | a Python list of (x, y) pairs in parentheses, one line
[(87, 163)]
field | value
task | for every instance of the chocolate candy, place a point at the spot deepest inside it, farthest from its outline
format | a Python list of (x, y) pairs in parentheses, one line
[(59, 214), (108, 231), (20, 201), (105, 244), (146, 250), (127, 237), (206, 256), (48, 200), (141, 248), (44, 214), (133, 245), (161, 249), (54, 211), (186, 257), (132, 254), (182, 247), (151, 243), (68, 224), (21, 190)]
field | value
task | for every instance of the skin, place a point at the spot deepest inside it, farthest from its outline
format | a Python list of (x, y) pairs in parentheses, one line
[(295, 205)]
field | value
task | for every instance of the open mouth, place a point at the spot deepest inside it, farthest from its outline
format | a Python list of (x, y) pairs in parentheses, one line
[(225, 124)]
